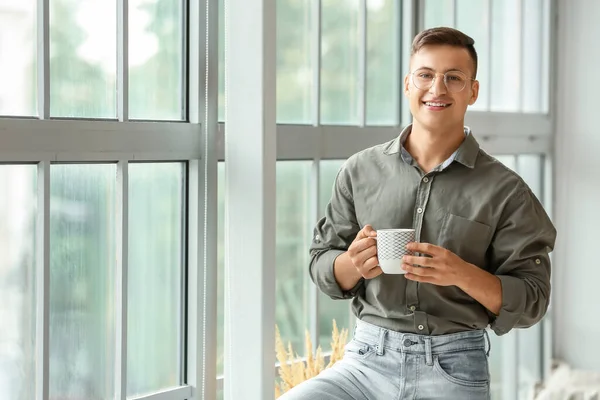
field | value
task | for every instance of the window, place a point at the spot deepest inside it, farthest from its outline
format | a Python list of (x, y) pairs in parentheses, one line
[(83, 53), (17, 281), (352, 69), (94, 211), (156, 63), (156, 267), (82, 270), (18, 58), (512, 42)]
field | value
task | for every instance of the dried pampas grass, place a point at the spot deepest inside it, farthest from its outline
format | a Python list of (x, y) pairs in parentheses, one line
[(293, 370)]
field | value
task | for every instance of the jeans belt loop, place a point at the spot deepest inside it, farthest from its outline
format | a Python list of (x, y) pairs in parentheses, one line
[(428, 355), (382, 333), (488, 343)]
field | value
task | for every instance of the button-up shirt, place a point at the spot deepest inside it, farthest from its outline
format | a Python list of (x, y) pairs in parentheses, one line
[(471, 204)]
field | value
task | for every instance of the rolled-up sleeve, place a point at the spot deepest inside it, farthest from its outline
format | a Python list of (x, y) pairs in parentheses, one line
[(520, 249), (332, 236)]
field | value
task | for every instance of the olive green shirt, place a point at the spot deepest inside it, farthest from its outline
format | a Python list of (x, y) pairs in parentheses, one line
[(471, 205)]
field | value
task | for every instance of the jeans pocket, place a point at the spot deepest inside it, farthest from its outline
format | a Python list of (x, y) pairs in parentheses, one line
[(359, 349), (464, 368)]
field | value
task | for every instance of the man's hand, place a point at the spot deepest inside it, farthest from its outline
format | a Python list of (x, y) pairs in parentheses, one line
[(363, 253), (443, 268)]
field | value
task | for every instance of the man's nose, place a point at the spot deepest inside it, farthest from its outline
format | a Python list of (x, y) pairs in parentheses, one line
[(438, 86)]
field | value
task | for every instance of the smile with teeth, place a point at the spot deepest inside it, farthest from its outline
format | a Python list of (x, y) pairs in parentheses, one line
[(432, 104)]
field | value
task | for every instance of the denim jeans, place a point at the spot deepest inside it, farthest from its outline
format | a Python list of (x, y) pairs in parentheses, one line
[(380, 364)]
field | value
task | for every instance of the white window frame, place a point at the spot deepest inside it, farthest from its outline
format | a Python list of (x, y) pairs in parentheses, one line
[(44, 141)]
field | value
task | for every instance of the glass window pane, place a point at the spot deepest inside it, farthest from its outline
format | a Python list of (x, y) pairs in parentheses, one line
[(17, 281), (82, 275), (530, 360), (154, 329), (330, 309), (509, 160), (18, 57), (530, 167), (506, 69), (438, 13), (156, 59), (496, 362), (472, 18), (83, 58), (221, 270), (293, 237), (535, 59), (294, 72), (383, 69), (339, 62)]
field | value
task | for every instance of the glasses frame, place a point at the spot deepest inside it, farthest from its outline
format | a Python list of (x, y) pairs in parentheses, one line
[(435, 75)]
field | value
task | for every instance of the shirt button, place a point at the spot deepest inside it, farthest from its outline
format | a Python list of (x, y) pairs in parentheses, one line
[(538, 261), (420, 210), (317, 238), (413, 308), (421, 327), (426, 179)]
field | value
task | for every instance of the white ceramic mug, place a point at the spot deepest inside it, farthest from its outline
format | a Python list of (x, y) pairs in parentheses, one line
[(391, 247)]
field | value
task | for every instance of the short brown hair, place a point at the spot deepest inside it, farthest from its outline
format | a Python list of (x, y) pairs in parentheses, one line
[(445, 36)]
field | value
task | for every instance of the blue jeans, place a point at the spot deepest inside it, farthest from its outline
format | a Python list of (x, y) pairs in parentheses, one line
[(380, 364)]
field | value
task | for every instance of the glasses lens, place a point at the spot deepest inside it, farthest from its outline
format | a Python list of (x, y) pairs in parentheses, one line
[(455, 81), (423, 79)]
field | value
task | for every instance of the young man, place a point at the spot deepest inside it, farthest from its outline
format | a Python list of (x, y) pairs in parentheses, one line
[(481, 257)]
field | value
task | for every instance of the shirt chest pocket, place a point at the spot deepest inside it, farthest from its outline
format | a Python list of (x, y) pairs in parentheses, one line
[(466, 238)]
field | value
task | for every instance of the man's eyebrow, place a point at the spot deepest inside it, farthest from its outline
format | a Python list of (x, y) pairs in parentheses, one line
[(448, 70)]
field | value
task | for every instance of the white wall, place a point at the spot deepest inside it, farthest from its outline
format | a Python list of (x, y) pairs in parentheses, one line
[(576, 301)]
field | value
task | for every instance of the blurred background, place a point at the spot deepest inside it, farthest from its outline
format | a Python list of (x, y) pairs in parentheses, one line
[(340, 72)]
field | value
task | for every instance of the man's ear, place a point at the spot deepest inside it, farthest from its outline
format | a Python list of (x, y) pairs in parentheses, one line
[(406, 85), (474, 92)]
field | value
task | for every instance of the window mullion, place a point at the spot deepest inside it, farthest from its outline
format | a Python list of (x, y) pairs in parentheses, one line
[(315, 213), (490, 15), (201, 312), (43, 55), (412, 19), (123, 60), (122, 266), (362, 63), (521, 60), (42, 359), (316, 9), (454, 13)]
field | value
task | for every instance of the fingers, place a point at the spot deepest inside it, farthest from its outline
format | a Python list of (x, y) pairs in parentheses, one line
[(366, 232), (363, 250), (370, 268), (422, 261), (425, 248), (361, 245), (419, 271)]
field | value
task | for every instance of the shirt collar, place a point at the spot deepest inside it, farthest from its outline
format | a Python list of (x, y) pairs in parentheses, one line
[(466, 153)]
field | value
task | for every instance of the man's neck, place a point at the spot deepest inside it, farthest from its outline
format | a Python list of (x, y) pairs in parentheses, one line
[(430, 147)]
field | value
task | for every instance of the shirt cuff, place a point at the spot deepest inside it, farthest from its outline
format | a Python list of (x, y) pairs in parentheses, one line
[(513, 304), (327, 282)]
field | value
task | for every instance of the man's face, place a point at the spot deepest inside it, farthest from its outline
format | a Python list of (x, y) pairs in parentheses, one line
[(437, 107)]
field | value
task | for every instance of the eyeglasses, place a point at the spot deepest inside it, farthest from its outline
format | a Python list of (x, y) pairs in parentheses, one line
[(455, 81)]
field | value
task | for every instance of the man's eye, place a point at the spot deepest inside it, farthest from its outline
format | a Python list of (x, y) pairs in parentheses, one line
[(425, 76), (454, 78)]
